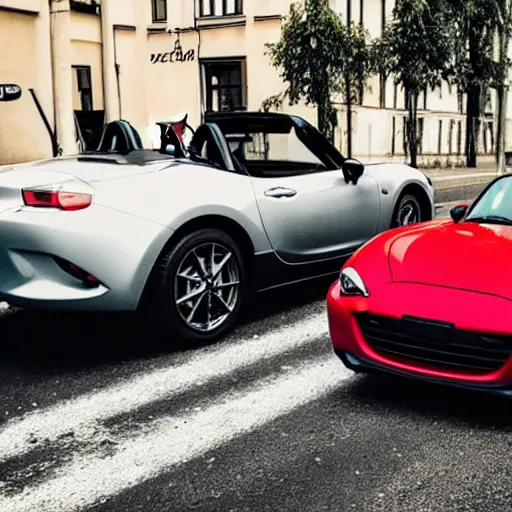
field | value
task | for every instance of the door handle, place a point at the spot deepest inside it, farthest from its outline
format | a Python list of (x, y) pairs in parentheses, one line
[(280, 192)]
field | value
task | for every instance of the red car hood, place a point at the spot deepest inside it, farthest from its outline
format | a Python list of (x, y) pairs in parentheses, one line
[(467, 256)]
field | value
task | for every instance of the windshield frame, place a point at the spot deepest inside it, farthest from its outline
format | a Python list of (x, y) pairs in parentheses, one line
[(481, 196)]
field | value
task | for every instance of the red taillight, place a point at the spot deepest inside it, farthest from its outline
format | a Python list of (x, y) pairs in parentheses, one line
[(69, 201)]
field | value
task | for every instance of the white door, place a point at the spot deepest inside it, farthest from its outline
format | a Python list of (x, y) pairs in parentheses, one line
[(318, 215)]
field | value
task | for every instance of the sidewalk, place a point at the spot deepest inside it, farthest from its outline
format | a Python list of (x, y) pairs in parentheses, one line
[(462, 177), (460, 172), (485, 167)]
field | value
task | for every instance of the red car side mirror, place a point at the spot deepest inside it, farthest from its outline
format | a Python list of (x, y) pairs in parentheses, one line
[(457, 213)]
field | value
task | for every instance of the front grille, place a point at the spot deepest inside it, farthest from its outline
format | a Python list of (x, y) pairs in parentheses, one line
[(434, 345)]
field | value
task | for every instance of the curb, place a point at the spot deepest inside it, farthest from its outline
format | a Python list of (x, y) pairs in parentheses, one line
[(454, 177), (462, 183), (441, 206)]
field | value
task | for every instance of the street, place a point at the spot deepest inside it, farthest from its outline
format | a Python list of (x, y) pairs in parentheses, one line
[(96, 416), (169, 157)]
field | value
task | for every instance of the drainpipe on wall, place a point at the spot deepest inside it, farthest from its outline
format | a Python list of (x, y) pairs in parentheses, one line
[(43, 91), (200, 68), (60, 21), (110, 88)]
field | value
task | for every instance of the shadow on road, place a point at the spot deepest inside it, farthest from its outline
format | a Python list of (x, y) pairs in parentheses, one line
[(38, 339), (284, 299), (416, 398)]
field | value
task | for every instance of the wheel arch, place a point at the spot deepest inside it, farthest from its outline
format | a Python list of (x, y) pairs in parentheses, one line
[(213, 221), (421, 194)]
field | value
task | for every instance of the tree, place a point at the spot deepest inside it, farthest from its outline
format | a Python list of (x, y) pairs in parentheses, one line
[(503, 15), (416, 49), (315, 54), (474, 70)]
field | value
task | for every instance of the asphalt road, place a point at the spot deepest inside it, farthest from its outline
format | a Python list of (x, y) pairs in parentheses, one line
[(460, 193), (96, 416)]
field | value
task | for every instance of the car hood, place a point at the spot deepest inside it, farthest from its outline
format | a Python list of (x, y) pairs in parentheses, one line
[(466, 256)]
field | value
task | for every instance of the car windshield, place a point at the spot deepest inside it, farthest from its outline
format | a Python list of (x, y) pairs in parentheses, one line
[(495, 205), (265, 146)]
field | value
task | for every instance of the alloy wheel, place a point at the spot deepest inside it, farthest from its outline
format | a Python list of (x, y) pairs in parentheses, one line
[(207, 287), (408, 213)]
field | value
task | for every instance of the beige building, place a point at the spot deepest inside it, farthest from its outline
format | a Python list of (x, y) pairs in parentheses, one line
[(78, 63)]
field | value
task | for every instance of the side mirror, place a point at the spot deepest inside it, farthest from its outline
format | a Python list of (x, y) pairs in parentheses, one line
[(457, 213), (353, 170)]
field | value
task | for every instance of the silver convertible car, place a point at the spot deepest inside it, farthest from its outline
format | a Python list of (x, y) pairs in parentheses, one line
[(255, 201)]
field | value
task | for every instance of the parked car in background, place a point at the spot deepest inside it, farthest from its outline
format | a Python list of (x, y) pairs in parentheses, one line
[(433, 301), (256, 201)]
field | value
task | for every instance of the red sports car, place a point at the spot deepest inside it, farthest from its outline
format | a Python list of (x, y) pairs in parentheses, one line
[(433, 300)]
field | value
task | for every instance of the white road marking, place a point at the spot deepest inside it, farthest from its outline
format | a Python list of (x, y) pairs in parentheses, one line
[(174, 439), (84, 412)]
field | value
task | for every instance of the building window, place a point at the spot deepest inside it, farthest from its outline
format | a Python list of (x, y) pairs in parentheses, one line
[(360, 92), (383, 91), (440, 138), (225, 85), (84, 7), (460, 101), (459, 137), (159, 10), (393, 136), (405, 136), (220, 7), (488, 102), (421, 130), (488, 136), (83, 78), (450, 137)]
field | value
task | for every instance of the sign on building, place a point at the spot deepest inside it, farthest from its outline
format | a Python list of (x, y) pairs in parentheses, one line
[(9, 92), (176, 55)]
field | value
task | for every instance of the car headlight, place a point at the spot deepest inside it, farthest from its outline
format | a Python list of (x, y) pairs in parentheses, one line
[(352, 284)]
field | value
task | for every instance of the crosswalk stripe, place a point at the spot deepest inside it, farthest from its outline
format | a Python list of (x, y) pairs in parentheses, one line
[(47, 425), (171, 440)]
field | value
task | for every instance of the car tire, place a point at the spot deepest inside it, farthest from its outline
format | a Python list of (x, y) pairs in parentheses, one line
[(408, 211), (177, 275)]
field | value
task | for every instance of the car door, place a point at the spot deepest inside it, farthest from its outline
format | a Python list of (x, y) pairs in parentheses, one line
[(309, 211), (317, 216)]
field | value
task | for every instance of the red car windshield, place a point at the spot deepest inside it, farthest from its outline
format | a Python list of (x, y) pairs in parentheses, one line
[(495, 204)]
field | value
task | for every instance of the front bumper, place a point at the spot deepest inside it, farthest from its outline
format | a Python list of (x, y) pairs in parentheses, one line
[(468, 311), (360, 365)]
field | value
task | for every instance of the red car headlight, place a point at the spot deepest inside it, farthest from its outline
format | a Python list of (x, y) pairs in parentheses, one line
[(352, 284)]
